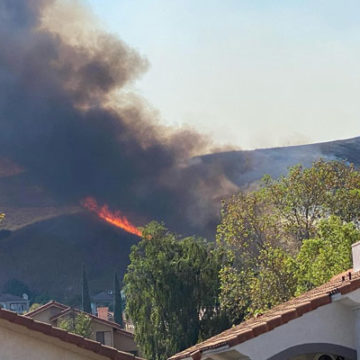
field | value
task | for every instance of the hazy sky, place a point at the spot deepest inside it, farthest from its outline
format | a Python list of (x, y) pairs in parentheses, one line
[(248, 73)]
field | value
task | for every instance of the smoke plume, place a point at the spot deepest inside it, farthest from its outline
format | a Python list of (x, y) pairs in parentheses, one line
[(67, 117)]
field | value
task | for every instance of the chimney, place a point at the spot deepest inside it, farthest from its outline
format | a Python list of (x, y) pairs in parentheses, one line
[(103, 312), (356, 256)]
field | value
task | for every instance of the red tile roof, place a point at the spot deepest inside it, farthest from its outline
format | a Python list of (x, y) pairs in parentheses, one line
[(46, 306), (277, 316), (65, 336), (95, 318)]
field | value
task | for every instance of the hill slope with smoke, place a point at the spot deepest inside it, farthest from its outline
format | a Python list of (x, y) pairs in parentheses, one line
[(71, 128), (245, 167), (47, 255), (68, 118)]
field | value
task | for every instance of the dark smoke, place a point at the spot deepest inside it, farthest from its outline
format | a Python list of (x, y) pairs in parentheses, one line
[(57, 122)]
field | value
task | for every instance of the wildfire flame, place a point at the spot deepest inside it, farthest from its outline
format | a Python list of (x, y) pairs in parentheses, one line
[(114, 218)]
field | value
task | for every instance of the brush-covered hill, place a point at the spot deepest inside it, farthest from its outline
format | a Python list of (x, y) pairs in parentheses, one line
[(245, 167), (47, 255)]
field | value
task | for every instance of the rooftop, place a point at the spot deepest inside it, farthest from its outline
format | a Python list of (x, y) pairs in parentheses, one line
[(10, 297), (103, 296), (277, 316), (65, 336)]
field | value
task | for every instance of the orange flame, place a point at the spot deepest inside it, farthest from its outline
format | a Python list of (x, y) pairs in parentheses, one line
[(114, 218)]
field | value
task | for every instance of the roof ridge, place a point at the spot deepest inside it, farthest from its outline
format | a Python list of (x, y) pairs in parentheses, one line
[(108, 322), (278, 315), (44, 307), (66, 336)]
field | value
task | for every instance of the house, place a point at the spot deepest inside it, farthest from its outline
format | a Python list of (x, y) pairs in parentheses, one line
[(14, 303), (104, 331), (102, 299), (322, 324), (22, 337)]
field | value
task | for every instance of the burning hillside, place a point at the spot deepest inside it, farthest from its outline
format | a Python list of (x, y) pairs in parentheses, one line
[(69, 119), (113, 218)]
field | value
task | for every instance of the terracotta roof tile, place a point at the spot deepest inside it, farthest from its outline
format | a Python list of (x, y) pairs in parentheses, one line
[(68, 309), (277, 316), (46, 306), (65, 336)]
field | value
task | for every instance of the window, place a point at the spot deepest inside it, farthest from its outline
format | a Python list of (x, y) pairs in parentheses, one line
[(100, 337)]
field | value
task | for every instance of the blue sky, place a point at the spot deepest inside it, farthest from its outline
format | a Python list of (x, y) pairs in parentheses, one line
[(247, 73)]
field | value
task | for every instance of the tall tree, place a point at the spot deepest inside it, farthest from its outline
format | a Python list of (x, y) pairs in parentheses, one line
[(326, 255), (77, 323), (171, 289), (86, 302), (262, 231), (118, 303)]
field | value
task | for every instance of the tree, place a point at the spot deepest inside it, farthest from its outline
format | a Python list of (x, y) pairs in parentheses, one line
[(306, 195), (86, 302), (262, 231), (16, 287), (326, 255), (34, 306), (171, 289), (275, 281), (78, 324), (118, 304)]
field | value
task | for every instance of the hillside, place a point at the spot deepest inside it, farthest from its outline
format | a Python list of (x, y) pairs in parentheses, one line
[(48, 255), (245, 167), (48, 242)]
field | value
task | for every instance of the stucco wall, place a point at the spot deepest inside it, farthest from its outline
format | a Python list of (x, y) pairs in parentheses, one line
[(20, 343), (124, 343), (95, 326), (332, 324), (47, 314)]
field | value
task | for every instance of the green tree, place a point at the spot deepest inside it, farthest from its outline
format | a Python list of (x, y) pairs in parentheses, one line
[(118, 303), (261, 231), (77, 323), (306, 195), (171, 288), (86, 302), (326, 255), (34, 306), (275, 281)]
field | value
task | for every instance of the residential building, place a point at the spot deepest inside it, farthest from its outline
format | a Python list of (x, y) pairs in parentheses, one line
[(102, 299), (14, 303), (103, 331), (22, 337), (105, 300), (322, 324)]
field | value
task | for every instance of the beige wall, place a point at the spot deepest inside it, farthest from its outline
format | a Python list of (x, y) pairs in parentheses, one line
[(19, 343), (125, 343), (46, 315), (328, 324), (112, 337), (109, 339), (96, 326)]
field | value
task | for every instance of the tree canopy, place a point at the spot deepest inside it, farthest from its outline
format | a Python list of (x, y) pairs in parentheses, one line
[(118, 303), (78, 324), (85, 293), (287, 236), (171, 288), (326, 255), (273, 242)]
